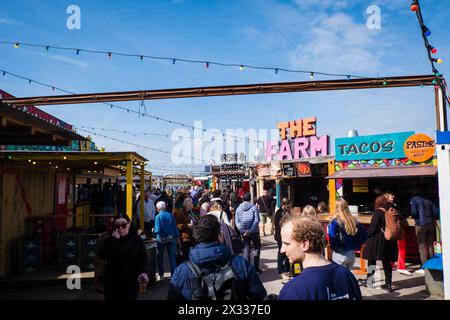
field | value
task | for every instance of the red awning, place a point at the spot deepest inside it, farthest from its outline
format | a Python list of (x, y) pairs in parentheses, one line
[(391, 172)]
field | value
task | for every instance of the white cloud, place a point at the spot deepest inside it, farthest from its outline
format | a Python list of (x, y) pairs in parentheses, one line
[(338, 44), (65, 59), (322, 4), (70, 61), (7, 21)]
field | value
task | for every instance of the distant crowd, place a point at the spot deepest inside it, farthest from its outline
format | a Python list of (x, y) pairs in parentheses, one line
[(217, 235)]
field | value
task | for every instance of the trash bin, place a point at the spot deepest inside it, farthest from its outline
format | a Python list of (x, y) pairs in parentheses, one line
[(99, 265), (150, 248)]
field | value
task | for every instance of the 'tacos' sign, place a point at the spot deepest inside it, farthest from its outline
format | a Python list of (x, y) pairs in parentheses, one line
[(381, 146)]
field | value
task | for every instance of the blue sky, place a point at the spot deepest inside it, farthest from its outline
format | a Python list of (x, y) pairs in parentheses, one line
[(328, 36)]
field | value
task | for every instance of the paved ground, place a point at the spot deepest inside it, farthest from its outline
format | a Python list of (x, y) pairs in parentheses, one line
[(406, 287)]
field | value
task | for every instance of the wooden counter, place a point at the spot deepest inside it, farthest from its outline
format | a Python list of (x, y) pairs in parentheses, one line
[(363, 219)]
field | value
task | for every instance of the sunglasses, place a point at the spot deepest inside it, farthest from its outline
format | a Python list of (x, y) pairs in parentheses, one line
[(122, 225)]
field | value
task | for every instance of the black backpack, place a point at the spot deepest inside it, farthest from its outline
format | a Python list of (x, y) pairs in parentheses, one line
[(215, 283), (230, 237)]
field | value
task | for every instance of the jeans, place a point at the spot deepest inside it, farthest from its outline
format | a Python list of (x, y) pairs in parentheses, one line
[(425, 237), (171, 251), (254, 237), (344, 258), (282, 261)]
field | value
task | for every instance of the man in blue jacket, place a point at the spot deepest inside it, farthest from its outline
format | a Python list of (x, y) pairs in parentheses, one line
[(166, 233), (425, 212), (247, 221), (208, 255)]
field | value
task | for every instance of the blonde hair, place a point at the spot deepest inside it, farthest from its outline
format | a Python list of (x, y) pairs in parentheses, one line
[(309, 211), (342, 213), (216, 207)]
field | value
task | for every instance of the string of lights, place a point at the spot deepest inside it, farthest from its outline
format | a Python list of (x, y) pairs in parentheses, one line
[(174, 60), (146, 133), (426, 33), (138, 145), (128, 110)]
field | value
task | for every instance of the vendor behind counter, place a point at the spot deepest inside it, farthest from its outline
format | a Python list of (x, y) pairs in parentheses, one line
[(401, 188)]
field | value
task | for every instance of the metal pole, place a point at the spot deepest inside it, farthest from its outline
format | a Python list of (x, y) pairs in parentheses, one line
[(443, 155), (252, 190), (129, 175), (331, 187), (441, 111), (142, 204)]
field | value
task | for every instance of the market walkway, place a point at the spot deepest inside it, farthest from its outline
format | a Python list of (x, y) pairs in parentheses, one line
[(406, 287)]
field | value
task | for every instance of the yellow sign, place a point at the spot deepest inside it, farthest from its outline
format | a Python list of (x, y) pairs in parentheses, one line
[(360, 183), (360, 189), (419, 147)]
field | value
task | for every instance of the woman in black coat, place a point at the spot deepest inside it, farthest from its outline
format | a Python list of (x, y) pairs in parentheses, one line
[(377, 247), (282, 260), (126, 261)]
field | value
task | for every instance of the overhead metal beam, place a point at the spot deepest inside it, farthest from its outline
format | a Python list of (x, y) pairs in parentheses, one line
[(283, 87), (17, 130), (32, 142)]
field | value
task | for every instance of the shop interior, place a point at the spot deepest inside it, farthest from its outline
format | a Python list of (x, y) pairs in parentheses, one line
[(402, 188)]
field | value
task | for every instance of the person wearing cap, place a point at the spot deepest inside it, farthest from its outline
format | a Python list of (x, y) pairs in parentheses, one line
[(167, 235)]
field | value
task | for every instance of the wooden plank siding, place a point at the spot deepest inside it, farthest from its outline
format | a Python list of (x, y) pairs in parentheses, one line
[(25, 190)]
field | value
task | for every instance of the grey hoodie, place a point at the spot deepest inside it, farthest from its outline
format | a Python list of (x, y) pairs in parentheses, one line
[(247, 218)]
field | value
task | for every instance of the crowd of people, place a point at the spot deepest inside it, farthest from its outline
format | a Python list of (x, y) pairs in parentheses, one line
[(211, 235)]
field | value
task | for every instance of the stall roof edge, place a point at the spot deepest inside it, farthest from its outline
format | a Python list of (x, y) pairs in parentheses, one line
[(384, 172)]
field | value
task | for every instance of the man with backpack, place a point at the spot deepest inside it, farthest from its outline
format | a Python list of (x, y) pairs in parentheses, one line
[(213, 273)]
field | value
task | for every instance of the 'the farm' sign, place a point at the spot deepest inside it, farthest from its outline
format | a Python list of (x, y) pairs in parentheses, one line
[(298, 140)]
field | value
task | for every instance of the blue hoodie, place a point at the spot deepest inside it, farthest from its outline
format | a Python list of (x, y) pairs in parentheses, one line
[(350, 242), (247, 218), (205, 254), (423, 210)]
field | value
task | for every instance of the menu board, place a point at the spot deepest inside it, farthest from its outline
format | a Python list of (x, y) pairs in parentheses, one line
[(275, 169), (289, 170), (303, 169), (263, 170)]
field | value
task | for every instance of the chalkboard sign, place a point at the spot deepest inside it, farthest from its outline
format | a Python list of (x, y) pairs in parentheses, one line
[(289, 170)]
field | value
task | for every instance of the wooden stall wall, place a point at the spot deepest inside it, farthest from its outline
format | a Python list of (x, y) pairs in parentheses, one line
[(25, 191)]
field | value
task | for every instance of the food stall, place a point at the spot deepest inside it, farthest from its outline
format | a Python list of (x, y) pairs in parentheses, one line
[(367, 166), (297, 164), (45, 217)]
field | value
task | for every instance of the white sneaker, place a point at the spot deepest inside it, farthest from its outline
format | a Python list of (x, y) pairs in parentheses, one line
[(404, 272), (420, 271), (159, 278)]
